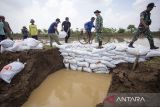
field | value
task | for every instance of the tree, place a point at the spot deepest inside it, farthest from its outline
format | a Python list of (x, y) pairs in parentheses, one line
[(109, 30), (121, 30), (131, 28), (39, 31), (45, 31)]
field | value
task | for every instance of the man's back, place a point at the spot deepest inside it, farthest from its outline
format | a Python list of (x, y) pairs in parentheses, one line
[(52, 27), (88, 26), (33, 29)]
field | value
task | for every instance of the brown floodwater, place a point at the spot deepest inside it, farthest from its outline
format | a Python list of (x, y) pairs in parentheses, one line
[(67, 88)]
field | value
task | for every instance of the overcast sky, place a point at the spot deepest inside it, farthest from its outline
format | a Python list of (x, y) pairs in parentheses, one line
[(115, 13)]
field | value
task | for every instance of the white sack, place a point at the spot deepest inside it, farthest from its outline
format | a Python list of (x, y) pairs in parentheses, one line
[(101, 70), (62, 34), (137, 51), (153, 53), (73, 66), (87, 69), (107, 58), (31, 42), (39, 46), (95, 66), (118, 61), (10, 70), (66, 65), (72, 61), (79, 68), (108, 64), (7, 43), (83, 64)]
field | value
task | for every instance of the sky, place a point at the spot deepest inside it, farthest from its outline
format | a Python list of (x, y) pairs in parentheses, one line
[(115, 13)]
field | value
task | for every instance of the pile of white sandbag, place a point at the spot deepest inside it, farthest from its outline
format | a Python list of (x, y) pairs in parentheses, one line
[(20, 45), (90, 59)]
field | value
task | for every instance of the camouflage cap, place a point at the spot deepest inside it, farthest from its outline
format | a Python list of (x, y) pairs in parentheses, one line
[(151, 5)]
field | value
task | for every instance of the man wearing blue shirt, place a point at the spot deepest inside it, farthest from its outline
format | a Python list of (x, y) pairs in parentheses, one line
[(53, 32), (88, 27)]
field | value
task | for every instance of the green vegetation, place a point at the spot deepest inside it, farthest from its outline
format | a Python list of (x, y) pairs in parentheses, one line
[(153, 63), (121, 30), (132, 28), (48, 47)]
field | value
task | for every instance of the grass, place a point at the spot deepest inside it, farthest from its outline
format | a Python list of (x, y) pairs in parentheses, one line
[(153, 62), (48, 47)]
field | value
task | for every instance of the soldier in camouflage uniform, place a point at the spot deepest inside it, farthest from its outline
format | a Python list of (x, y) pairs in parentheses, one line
[(98, 27), (143, 27)]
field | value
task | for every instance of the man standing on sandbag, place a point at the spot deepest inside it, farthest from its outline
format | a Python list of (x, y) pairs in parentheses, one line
[(52, 32), (66, 27), (33, 30), (143, 27), (99, 27), (2, 33), (7, 29), (88, 27)]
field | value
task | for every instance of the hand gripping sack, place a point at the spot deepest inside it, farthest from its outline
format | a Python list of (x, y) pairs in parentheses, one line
[(10, 70)]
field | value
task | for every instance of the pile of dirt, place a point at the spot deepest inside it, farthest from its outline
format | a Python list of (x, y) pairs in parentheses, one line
[(40, 63), (145, 79)]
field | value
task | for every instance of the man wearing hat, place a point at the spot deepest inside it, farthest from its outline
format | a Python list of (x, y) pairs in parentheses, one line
[(98, 27), (143, 27), (52, 32)]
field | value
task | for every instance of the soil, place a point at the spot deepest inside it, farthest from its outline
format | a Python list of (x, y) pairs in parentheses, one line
[(40, 63), (145, 79)]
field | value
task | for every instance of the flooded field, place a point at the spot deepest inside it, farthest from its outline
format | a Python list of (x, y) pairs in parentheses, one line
[(66, 88)]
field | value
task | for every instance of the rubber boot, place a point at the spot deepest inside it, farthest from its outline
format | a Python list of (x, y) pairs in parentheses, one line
[(66, 39), (131, 45), (100, 44), (152, 45)]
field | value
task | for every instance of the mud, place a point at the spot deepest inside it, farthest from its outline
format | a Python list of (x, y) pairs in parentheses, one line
[(145, 79), (68, 88), (40, 63)]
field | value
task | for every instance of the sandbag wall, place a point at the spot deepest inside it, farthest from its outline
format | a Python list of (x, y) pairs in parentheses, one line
[(90, 59)]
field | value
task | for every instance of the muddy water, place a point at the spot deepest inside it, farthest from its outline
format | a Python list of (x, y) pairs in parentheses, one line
[(70, 89)]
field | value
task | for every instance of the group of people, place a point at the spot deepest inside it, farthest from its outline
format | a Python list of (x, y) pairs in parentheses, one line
[(52, 31), (33, 30), (143, 28)]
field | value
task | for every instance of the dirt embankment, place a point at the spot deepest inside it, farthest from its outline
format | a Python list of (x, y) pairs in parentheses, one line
[(40, 63), (145, 79)]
